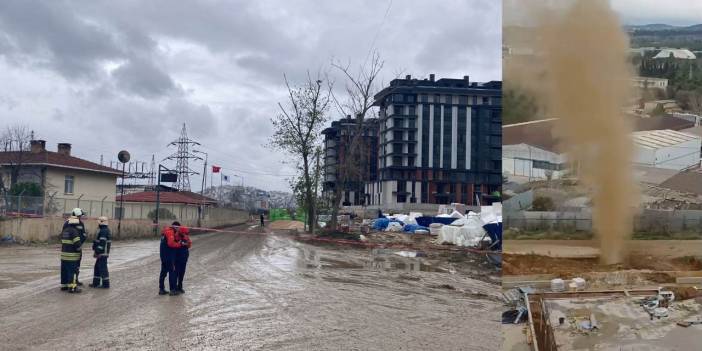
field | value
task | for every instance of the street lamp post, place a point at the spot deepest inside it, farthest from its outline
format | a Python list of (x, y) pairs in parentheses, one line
[(123, 156)]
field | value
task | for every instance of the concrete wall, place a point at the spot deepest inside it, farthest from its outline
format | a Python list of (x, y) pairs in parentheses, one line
[(49, 228)]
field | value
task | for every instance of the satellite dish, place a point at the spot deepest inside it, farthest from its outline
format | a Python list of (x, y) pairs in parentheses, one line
[(123, 156)]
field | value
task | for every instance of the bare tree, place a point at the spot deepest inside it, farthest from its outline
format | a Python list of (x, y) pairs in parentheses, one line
[(360, 89), (14, 140), (297, 129)]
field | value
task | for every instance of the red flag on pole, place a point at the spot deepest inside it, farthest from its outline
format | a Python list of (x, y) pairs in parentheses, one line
[(215, 169)]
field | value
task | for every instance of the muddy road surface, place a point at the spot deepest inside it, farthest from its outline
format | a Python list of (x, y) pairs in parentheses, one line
[(248, 291)]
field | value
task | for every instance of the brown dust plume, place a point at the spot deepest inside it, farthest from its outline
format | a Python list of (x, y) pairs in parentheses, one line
[(585, 82)]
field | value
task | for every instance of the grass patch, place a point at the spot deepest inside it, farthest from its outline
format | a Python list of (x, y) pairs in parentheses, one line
[(509, 234), (667, 236)]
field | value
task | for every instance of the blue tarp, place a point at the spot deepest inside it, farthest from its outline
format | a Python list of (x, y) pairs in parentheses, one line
[(426, 221), (494, 231), (382, 223)]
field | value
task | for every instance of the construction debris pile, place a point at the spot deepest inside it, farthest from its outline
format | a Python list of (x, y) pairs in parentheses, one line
[(453, 225)]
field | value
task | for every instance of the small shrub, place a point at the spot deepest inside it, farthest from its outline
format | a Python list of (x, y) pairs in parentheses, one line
[(542, 203), (163, 213)]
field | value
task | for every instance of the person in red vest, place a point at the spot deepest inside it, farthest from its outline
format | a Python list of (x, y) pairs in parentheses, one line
[(169, 246), (181, 256)]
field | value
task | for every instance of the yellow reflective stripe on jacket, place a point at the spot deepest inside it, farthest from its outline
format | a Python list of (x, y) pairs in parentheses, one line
[(76, 239), (65, 241), (70, 255)]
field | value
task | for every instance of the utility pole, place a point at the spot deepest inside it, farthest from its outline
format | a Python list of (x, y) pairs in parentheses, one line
[(123, 157)]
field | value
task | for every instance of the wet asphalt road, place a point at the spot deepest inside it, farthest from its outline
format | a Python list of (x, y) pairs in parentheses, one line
[(255, 292)]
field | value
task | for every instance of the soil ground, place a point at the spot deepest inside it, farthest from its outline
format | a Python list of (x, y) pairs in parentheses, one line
[(571, 257), (251, 290)]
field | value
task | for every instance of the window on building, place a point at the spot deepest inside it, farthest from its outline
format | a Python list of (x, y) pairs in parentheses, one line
[(68, 184), (486, 100), (424, 98), (463, 99), (448, 99)]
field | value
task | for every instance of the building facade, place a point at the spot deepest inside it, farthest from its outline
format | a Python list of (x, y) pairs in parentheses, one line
[(59, 175), (439, 142), (337, 140)]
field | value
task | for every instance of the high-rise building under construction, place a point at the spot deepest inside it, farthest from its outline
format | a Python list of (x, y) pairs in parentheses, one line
[(439, 142)]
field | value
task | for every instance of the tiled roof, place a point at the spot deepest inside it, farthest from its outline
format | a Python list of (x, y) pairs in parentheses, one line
[(171, 197), (50, 158)]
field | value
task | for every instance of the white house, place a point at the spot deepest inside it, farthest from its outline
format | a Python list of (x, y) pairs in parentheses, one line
[(683, 54)]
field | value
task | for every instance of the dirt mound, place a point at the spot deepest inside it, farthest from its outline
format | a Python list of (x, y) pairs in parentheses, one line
[(685, 293), (287, 225), (516, 264)]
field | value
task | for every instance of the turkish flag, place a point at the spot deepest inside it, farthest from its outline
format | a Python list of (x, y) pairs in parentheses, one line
[(215, 169)]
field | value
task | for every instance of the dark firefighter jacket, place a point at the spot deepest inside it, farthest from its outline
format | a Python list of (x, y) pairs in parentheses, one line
[(102, 242), (79, 226), (70, 243)]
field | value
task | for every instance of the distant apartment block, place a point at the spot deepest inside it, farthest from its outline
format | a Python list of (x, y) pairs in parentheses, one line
[(337, 140), (439, 142)]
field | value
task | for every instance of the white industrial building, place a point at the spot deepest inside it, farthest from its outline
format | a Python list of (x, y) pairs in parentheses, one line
[(532, 163), (666, 149), (530, 152)]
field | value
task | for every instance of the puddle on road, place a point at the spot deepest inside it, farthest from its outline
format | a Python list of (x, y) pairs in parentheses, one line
[(376, 260)]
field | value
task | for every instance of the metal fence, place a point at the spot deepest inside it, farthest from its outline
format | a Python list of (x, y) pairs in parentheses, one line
[(28, 206), (649, 220)]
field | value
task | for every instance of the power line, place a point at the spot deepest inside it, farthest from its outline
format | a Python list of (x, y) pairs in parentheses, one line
[(242, 170)]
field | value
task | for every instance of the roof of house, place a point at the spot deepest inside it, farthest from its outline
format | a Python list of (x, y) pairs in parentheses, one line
[(177, 197), (677, 53), (655, 139), (539, 133), (55, 159), (689, 181)]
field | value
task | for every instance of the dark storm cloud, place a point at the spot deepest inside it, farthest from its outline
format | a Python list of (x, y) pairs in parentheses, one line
[(136, 70), (143, 78), (49, 33)]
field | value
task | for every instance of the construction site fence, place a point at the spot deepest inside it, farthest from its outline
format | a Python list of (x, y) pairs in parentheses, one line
[(35, 206), (649, 220)]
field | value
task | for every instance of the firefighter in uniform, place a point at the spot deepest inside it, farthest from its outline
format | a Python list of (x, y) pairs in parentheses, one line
[(181, 256), (167, 251), (70, 255), (77, 213), (101, 250)]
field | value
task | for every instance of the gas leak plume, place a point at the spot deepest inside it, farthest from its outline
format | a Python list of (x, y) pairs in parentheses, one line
[(583, 79)]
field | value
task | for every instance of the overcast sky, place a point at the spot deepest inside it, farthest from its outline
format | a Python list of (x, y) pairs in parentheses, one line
[(112, 75), (674, 12)]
